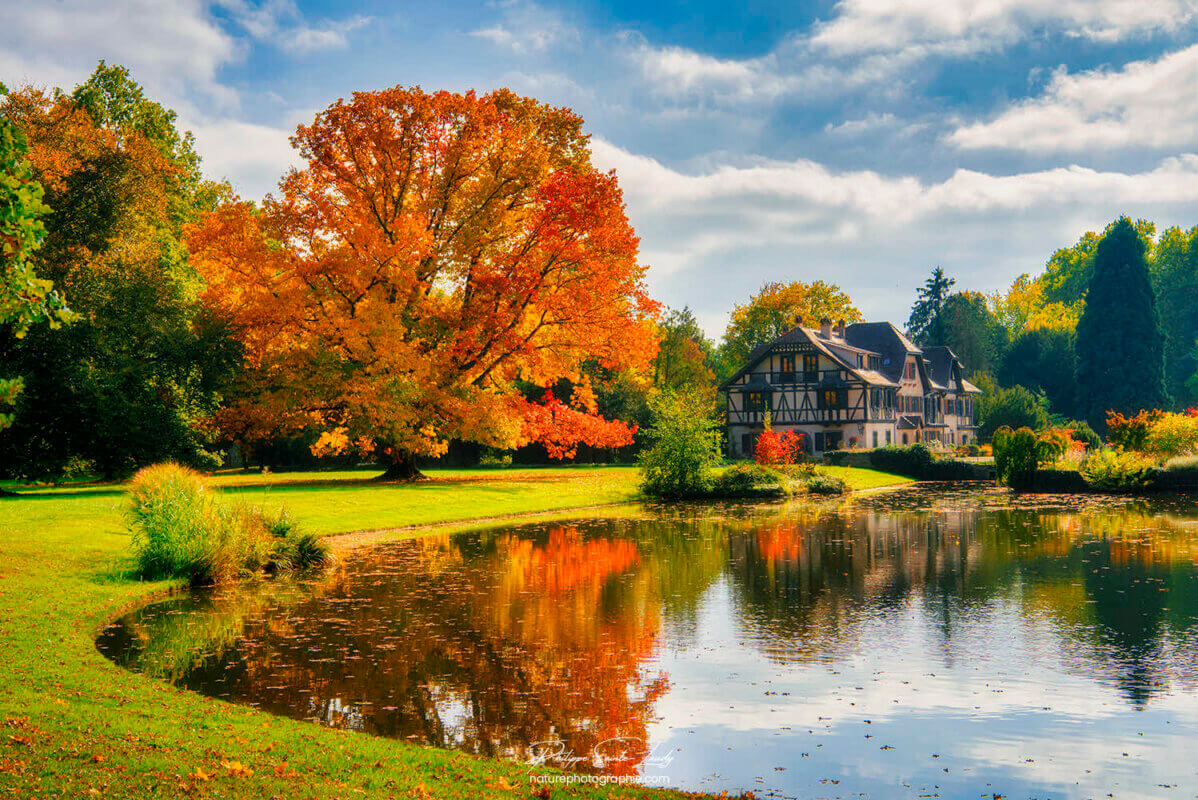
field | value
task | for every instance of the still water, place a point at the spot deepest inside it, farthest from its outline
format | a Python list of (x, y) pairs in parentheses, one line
[(931, 642)]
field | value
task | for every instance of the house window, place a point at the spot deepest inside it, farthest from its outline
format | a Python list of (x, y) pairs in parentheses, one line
[(887, 437), (757, 401), (832, 398), (828, 441), (811, 368), (910, 371), (860, 360), (904, 438), (748, 444), (875, 439), (786, 369), (875, 363)]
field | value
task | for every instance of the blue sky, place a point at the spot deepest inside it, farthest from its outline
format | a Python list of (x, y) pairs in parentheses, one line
[(859, 141)]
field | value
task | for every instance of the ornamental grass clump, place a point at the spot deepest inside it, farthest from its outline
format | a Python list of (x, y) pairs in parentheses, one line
[(181, 529)]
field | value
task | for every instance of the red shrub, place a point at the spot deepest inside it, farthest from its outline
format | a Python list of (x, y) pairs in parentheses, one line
[(779, 449)]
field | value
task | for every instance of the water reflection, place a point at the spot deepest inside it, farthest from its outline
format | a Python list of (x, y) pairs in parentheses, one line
[(924, 642)]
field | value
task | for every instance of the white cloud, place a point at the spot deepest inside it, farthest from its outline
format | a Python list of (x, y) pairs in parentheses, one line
[(870, 122), (966, 26), (252, 157), (1145, 104), (281, 23), (171, 51), (528, 28), (713, 236), (677, 71)]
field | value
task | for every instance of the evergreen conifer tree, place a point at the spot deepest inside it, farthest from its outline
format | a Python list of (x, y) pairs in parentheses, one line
[(1120, 346)]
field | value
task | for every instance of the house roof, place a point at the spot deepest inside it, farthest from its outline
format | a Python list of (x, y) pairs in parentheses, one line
[(908, 422), (867, 338), (801, 335), (885, 340)]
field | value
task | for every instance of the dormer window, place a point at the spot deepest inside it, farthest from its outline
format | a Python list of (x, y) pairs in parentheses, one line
[(811, 368), (756, 401), (786, 369)]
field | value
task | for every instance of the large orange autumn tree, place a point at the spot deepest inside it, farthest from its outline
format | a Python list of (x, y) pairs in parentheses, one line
[(439, 256)]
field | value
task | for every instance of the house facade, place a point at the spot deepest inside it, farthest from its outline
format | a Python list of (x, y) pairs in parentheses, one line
[(843, 386)]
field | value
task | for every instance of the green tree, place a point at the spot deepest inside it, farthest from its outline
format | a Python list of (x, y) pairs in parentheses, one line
[(684, 447), (134, 378), (968, 328), (1068, 273), (25, 299), (776, 309), (1175, 280), (683, 362), (1016, 407), (924, 324), (1043, 360), (1120, 347)]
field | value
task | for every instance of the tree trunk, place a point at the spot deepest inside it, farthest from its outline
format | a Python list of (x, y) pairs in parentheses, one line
[(401, 467)]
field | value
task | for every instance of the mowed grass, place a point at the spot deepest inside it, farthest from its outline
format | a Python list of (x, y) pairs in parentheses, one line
[(72, 724)]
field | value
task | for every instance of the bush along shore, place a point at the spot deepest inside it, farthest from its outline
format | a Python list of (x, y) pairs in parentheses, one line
[(1151, 452), (684, 462), (181, 528)]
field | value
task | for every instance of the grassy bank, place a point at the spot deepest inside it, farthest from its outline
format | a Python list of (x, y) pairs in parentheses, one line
[(75, 725)]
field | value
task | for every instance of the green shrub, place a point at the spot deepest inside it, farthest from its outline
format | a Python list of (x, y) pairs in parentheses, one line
[(912, 461), (1014, 457), (951, 469), (1081, 431), (1116, 470), (685, 446), (300, 551), (179, 530), (749, 480), (826, 484), (182, 530)]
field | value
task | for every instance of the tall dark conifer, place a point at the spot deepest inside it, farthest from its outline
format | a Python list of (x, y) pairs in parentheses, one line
[(1120, 347)]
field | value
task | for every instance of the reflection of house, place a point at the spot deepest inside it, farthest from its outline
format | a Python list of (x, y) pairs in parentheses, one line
[(860, 385)]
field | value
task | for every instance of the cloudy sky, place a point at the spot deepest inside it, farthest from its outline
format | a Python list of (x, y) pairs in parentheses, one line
[(859, 141)]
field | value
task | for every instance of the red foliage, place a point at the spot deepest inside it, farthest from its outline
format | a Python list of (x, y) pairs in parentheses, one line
[(1192, 411), (561, 428), (776, 449), (1130, 432)]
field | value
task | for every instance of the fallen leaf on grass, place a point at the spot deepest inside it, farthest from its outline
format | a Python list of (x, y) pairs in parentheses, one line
[(237, 769)]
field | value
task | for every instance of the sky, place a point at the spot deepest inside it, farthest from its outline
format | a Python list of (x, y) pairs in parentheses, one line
[(861, 142)]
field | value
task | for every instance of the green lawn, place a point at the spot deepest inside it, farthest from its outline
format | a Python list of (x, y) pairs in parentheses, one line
[(75, 725)]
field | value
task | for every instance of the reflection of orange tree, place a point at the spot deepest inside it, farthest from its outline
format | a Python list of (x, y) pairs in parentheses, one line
[(526, 641)]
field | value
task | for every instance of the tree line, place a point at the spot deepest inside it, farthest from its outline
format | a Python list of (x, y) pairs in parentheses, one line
[(445, 275)]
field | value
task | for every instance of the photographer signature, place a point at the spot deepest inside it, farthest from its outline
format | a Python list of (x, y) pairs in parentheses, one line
[(620, 748)]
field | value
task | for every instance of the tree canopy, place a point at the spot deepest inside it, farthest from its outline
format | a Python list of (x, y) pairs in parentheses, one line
[(132, 379), (923, 326), (777, 308), (1120, 347), (436, 257)]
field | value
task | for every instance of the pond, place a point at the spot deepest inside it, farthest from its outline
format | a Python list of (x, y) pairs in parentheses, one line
[(928, 642)]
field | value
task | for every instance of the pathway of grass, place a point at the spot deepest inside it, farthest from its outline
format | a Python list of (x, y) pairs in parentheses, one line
[(72, 724)]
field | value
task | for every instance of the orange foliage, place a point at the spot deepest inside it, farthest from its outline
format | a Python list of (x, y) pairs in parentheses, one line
[(1130, 433), (436, 252), (63, 140)]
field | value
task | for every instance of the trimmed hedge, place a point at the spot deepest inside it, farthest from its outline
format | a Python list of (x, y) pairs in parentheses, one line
[(917, 461)]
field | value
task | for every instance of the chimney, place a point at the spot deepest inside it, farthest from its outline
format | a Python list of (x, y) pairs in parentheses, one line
[(840, 329), (825, 328)]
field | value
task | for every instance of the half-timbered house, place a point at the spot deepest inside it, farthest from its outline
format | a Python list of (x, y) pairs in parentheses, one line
[(849, 386)]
